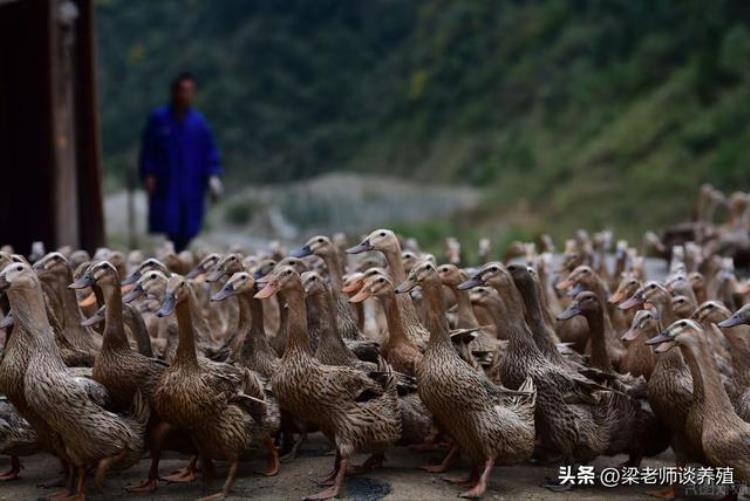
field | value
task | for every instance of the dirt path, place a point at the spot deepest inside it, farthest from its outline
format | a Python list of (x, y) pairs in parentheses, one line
[(399, 479)]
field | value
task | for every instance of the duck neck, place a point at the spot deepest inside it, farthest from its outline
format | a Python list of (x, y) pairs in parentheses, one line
[(511, 326), (396, 333), (323, 301), (133, 319), (333, 263), (536, 321), (708, 390), (297, 338), (740, 353), (436, 322), (114, 332), (246, 318), (395, 265), (599, 356), (466, 317), (666, 313), (69, 302), (29, 313), (186, 355)]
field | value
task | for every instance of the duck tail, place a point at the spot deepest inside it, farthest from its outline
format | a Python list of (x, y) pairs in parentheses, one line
[(140, 413), (527, 401)]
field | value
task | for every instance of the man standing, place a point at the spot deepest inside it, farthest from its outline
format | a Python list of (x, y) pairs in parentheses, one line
[(178, 161)]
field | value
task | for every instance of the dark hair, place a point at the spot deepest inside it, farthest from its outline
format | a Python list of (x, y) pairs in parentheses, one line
[(185, 75)]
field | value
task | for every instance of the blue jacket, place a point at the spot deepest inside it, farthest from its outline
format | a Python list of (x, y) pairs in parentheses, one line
[(181, 154)]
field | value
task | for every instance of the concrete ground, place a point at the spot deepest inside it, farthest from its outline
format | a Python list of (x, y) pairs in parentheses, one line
[(399, 479)]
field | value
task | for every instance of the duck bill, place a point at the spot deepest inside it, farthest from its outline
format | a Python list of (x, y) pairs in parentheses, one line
[(629, 335), (406, 286), (257, 275), (564, 285), (732, 321), (659, 340), (303, 251), (167, 306), (195, 272), (131, 279), (88, 301), (94, 319), (360, 296), (575, 290), (362, 247), (267, 291), (82, 282), (225, 292), (351, 287), (569, 313), (616, 297), (7, 322), (470, 283), (133, 294), (631, 302)]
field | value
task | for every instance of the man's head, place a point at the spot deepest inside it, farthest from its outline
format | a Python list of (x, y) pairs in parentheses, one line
[(183, 90)]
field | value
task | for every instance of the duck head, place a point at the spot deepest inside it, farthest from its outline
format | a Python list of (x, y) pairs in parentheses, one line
[(239, 282), (647, 293), (313, 283), (231, 263), (100, 272), (177, 291), (152, 283), (643, 320), (585, 303), (18, 275), (148, 264), (422, 273), (281, 279), (299, 266), (52, 262), (739, 317), (320, 245), (578, 280), (263, 268), (711, 312), (204, 265), (681, 332), (381, 240), (378, 284), (493, 271), (628, 285), (451, 275)]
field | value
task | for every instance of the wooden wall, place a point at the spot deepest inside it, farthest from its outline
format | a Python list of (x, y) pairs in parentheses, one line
[(50, 189)]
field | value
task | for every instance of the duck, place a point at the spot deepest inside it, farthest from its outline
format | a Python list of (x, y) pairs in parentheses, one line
[(639, 359), (639, 432), (90, 433), (722, 434), (17, 438), (55, 272), (222, 406), (322, 246), (358, 412), (574, 415), (488, 423), (387, 243), (398, 349), (735, 330)]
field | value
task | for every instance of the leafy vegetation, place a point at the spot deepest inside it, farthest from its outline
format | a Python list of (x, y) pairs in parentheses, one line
[(566, 112)]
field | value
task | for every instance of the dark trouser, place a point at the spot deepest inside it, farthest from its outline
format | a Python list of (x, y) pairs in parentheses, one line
[(180, 242)]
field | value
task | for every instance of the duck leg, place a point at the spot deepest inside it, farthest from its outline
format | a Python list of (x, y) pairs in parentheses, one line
[(69, 483), (156, 443), (292, 454), (334, 489), (273, 456), (328, 480), (481, 485), (470, 479), (103, 467), (186, 474), (448, 461), (374, 461), (228, 483), (15, 469)]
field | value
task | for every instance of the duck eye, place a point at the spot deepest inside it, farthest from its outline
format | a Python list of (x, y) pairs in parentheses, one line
[(382, 233), (381, 280)]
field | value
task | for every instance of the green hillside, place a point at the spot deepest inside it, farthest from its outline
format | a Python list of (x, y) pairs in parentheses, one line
[(567, 113)]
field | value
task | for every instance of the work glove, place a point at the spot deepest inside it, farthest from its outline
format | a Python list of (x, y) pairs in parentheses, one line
[(215, 188)]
